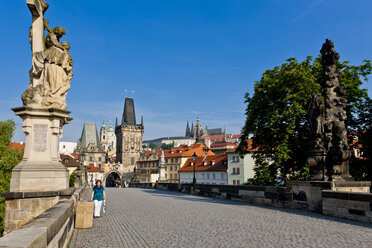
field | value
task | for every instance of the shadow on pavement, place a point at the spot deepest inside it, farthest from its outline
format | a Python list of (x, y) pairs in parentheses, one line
[(198, 198)]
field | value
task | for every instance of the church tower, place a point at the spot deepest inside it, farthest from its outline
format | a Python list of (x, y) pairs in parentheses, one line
[(103, 136), (129, 137)]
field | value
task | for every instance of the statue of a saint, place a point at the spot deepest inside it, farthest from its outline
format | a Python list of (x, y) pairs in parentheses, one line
[(51, 72)]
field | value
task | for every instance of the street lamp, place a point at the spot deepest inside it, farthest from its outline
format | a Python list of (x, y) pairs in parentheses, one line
[(194, 160), (82, 158)]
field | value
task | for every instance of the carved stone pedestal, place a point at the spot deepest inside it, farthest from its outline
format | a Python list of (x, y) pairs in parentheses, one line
[(40, 179), (308, 194), (40, 169)]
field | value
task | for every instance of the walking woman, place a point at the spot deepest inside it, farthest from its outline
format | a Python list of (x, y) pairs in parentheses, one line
[(98, 195)]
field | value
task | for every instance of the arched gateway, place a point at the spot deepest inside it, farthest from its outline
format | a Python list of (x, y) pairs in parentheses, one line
[(112, 179)]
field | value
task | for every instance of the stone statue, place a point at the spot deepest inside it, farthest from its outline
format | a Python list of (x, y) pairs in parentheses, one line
[(330, 153), (51, 71)]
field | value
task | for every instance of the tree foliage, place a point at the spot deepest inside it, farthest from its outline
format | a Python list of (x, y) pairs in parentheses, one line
[(167, 146), (153, 146), (9, 158), (276, 115)]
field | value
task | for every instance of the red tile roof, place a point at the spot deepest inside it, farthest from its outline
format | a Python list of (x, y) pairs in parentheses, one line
[(75, 155), (208, 163), (224, 144), (220, 137), (249, 148), (187, 151), (92, 168), (17, 146), (69, 160)]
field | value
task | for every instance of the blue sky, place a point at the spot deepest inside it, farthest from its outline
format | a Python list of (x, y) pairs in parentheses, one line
[(182, 58)]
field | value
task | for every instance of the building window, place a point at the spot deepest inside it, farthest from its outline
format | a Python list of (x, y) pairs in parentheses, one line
[(166, 160), (64, 146), (237, 182), (171, 168), (170, 176), (234, 171), (234, 182), (90, 159), (99, 159), (66, 161), (172, 160), (175, 176), (237, 170), (104, 137)]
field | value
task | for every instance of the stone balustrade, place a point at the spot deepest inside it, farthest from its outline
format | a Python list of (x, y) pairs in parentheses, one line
[(52, 228), (349, 205), (330, 198)]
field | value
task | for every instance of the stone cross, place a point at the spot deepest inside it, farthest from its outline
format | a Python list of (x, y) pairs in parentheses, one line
[(37, 8)]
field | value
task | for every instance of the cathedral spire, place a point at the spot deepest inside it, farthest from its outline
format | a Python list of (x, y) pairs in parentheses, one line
[(188, 132)]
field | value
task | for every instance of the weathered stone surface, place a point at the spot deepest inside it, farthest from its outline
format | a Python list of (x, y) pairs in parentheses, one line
[(25, 238), (20, 211), (329, 153), (51, 71)]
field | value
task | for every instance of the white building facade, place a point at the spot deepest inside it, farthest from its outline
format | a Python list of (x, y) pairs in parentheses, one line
[(207, 177), (239, 169), (67, 147)]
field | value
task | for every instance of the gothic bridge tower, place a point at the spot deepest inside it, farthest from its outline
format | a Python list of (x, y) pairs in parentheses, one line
[(129, 137)]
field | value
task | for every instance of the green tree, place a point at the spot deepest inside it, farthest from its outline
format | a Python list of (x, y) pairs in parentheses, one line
[(276, 115), (361, 168), (144, 146), (153, 146), (9, 158), (72, 179)]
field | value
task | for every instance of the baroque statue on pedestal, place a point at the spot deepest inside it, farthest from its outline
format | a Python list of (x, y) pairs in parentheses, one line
[(330, 153), (51, 71)]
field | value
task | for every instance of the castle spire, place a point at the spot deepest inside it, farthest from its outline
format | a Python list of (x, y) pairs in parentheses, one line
[(187, 133)]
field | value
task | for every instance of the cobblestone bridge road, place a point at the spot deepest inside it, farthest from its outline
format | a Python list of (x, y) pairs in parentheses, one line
[(151, 218)]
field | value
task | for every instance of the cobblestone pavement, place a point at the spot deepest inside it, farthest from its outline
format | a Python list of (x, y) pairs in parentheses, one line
[(152, 218)]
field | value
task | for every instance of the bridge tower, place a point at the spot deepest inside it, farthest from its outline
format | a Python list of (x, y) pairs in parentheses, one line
[(128, 139)]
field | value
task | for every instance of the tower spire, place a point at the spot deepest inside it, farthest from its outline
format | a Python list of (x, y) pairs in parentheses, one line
[(142, 119), (187, 133), (224, 134)]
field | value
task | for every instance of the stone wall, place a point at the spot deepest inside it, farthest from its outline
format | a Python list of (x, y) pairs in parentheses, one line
[(52, 228), (143, 185), (266, 195), (349, 205), (329, 198)]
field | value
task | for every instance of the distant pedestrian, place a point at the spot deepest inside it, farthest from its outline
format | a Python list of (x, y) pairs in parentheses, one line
[(98, 195)]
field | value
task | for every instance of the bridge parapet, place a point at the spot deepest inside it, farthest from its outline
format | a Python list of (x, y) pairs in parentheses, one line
[(330, 198), (52, 228)]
